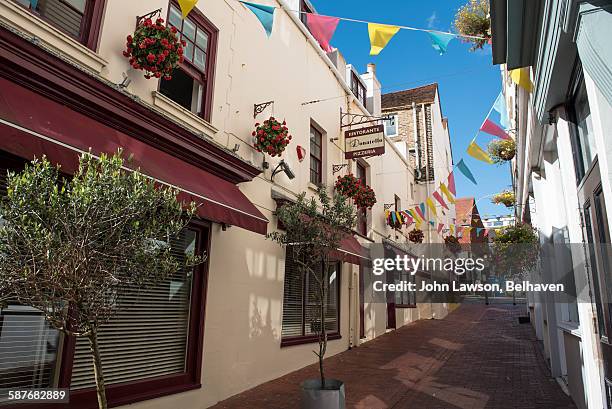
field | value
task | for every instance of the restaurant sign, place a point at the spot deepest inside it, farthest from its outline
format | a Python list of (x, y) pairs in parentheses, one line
[(368, 141)]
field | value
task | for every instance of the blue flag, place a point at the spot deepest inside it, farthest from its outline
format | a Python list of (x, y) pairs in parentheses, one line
[(466, 171), (265, 15), (422, 206), (478, 230), (439, 41), (500, 106)]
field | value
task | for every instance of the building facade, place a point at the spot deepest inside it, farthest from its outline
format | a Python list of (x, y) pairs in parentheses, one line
[(561, 121), (235, 322)]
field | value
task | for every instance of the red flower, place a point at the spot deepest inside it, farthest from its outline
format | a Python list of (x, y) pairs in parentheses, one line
[(126, 54), (129, 38), (174, 30), (159, 21), (150, 57), (253, 133)]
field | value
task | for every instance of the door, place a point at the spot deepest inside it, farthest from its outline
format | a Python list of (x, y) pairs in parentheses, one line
[(597, 237)]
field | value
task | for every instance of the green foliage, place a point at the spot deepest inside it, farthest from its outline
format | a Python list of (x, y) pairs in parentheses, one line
[(515, 249), (473, 19), (502, 150)]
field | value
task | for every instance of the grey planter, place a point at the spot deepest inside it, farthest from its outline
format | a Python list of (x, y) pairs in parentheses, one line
[(332, 397)]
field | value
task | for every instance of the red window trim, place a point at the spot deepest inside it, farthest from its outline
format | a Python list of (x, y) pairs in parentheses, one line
[(309, 339), (91, 25), (205, 78), (136, 391)]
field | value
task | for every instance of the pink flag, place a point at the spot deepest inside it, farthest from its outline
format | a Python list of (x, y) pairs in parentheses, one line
[(440, 200), (492, 128), (322, 28), (420, 212), (451, 184), (440, 227)]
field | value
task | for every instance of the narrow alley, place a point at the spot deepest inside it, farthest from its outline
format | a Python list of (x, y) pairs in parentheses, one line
[(478, 357)]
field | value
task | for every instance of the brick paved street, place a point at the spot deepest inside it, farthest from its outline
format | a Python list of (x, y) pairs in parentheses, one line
[(478, 357)]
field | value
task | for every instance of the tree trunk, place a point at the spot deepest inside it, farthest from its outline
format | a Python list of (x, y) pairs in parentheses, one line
[(97, 363), (323, 333)]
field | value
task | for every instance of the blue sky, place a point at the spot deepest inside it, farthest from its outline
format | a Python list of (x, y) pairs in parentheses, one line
[(468, 81)]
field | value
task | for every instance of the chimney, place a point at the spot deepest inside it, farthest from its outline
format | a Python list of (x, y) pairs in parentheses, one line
[(373, 91), (372, 68)]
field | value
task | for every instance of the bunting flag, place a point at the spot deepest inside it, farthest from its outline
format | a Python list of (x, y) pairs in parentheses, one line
[(431, 206), (440, 227), (467, 229), (478, 230), (322, 29), (447, 193), (185, 5), (420, 212), (380, 35), (414, 215), (440, 200), (477, 152), (452, 229), (451, 183), (520, 77), (409, 219), (500, 107), (265, 14), (439, 41), (432, 223), (466, 171), (422, 207), (418, 224), (492, 128)]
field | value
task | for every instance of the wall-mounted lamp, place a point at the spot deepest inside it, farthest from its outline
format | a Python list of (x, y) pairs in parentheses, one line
[(236, 148), (282, 167)]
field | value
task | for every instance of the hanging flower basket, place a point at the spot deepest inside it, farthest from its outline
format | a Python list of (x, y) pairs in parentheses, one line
[(416, 236), (271, 137), (506, 198), (452, 243), (394, 223), (347, 185), (365, 198), (154, 48), (502, 150), (473, 19)]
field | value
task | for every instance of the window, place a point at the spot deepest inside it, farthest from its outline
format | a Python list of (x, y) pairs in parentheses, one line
[(358, 88), (316, 156), (582, 137), (405, 299), (79, 19), (304, 8), (191, 84), (300, 308), (362, 214), (391, 125)]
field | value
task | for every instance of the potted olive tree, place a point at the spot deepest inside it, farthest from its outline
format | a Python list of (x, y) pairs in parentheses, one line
[(314, 229)]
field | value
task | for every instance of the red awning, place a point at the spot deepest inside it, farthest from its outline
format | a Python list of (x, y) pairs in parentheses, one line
[(352, 252), (32, 125)]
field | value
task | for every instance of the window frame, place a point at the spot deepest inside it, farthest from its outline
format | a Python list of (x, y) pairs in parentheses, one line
[(91, 24), (395, 119), (205, 77), (356, 86), (411, 295), (311, 338), (146, 389), (313, 157), (305, 8)]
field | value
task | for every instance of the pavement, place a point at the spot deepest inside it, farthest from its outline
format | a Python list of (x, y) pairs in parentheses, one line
[(478, 357)]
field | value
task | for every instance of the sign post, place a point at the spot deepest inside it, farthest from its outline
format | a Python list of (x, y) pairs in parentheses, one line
[(368, 141)]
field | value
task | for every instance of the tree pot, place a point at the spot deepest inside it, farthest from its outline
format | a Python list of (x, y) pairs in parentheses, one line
[(332, 397)]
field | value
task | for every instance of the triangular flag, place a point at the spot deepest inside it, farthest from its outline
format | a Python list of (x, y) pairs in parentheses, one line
[(439, 41), (500, 107), (478, 230), (520, 76), (413, 214), (409, 219), (265, 15), (452, 229), (431, 206), (422, 207), (418, 224), (447, 193), (399, 217), (477, 152), (433, 224), (322, 28), (186, 6), (380, 35), (451, 183), (466, 171), (420, 212), (492, 128), (440, 227), (393, 217), (440, 200), (467, 229)]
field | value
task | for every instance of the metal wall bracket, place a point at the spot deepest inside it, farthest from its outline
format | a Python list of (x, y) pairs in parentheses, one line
[(338, 168), (388, 205), (140, 19), (348, 119), (259, 108)]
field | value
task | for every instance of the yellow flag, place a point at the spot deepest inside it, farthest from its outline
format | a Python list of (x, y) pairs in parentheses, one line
[(476, 152), (452, 229), (380, 35), (418, 224), (187, 6), (431, 206), (447, 193), (414, 215), (467, 229), (520, 76)]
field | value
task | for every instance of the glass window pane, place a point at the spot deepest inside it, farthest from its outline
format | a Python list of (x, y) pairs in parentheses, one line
[(189, 30), (584, 128), (175, 17), (200, 59), (202, 40), (188, 51), (77, 4), (65, 15)]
